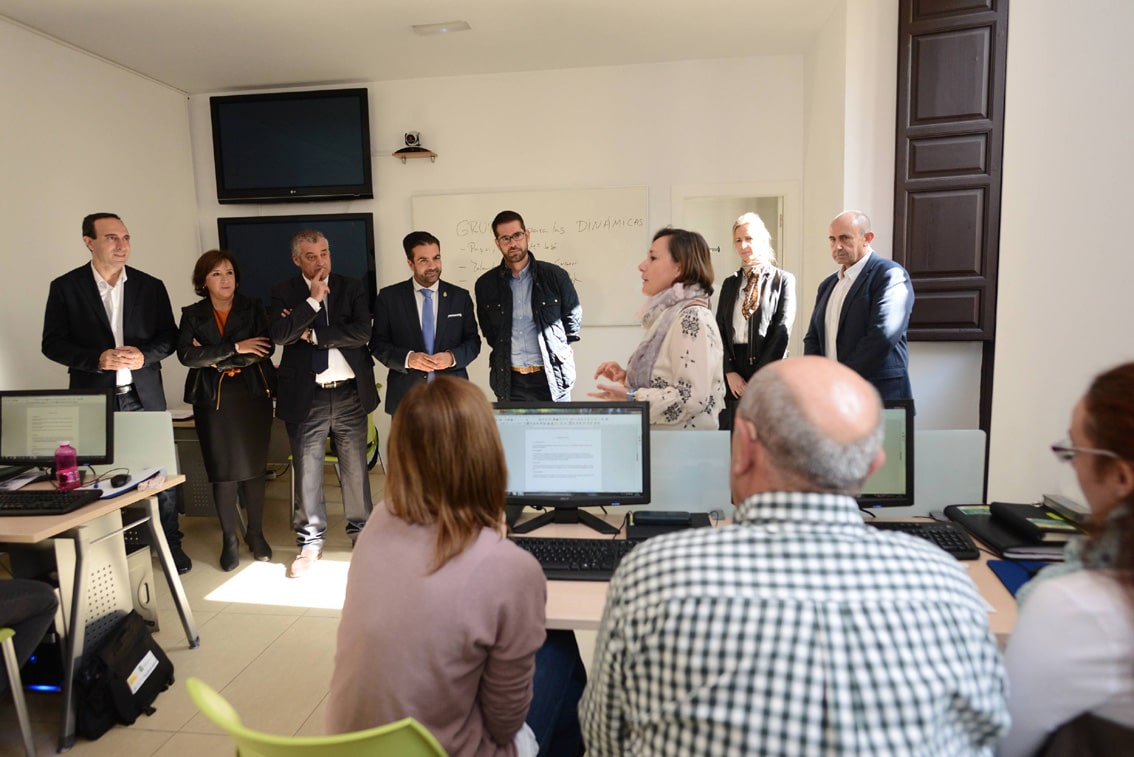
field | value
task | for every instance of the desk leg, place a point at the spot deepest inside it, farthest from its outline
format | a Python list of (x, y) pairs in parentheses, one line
[(76, 637), (158, 542)]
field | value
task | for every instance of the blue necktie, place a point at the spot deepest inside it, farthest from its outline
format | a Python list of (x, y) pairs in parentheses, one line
[(319, 360), (427, 323)]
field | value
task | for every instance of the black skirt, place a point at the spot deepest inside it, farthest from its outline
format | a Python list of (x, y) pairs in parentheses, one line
[(234, 439)]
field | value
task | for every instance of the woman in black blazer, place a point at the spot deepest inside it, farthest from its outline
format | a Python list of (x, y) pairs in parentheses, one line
[(230, 384), (755, 312)]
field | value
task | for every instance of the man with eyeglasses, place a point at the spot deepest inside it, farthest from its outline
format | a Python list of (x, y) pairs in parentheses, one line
[(530, 314)]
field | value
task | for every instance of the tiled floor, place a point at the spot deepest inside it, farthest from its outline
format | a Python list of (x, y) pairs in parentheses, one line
[(267, 644)]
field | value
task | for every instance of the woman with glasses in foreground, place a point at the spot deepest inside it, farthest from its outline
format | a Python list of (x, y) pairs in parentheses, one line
[(443, 619), (1071, 655)]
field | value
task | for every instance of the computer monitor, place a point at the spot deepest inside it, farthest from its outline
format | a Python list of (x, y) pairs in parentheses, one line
[(33, 423), (892, 485), (567, 455)]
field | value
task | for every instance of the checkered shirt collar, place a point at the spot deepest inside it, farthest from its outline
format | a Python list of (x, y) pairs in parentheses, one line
[(799, 508)]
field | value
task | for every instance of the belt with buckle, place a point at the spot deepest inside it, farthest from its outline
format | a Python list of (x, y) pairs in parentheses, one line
[(527, 368), (123, 388), (334, 384)]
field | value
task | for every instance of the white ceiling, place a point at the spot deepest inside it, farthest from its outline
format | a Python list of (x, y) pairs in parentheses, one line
[(201, 46)]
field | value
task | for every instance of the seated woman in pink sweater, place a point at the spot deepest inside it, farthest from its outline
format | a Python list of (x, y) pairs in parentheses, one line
[(443, 616)]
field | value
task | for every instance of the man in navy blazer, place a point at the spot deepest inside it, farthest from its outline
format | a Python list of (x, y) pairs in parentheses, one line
[(326, 388), (112, 325), (862, 311), (398, 340)]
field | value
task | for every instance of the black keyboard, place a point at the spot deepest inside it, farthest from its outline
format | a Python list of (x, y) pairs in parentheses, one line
[(945, 535), (576, 559), (45, 501)]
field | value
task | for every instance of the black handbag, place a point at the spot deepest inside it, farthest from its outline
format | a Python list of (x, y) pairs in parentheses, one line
[(122, 679)]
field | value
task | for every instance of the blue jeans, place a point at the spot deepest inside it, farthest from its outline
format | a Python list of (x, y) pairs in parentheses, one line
[(529, 387), (559, 681)]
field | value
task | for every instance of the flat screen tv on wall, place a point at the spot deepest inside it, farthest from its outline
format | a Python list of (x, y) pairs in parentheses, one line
[(311, 145), (262, 248)]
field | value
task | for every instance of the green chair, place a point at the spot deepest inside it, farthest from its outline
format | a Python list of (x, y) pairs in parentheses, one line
[(405, 738), (17, 687)]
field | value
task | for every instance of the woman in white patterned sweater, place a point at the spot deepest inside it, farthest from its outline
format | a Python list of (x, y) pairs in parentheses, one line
[(677, 366)]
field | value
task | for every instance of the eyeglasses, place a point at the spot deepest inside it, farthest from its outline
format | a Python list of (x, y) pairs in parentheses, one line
[(1065, 453), (512, 237)]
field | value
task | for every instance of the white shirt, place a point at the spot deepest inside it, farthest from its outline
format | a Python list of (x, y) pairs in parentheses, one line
[(338, 369), (835, 302), (1071, 652), (111, 297)]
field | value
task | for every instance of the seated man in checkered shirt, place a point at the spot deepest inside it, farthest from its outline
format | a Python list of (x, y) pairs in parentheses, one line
[(797, 630)]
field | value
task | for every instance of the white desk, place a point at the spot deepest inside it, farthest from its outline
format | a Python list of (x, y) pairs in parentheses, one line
[(89, 530), (578, 605)]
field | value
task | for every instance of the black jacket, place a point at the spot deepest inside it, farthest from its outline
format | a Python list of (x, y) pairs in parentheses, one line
[(76, 330), (397, 332), (217, 353), (558, 317), (769, 329), (348, 332)]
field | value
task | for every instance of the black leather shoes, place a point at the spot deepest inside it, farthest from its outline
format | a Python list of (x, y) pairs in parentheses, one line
[(261, 550), (180, 560), (230, 553)]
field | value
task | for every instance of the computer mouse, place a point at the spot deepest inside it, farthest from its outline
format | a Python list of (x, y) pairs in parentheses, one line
[(119, 480)]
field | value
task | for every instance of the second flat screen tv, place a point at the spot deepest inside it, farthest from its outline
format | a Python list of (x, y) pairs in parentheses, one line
[(262, 248), (312, 145)]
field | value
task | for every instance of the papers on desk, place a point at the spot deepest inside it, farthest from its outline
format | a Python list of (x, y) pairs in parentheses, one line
[(140, 479), (20, 481)]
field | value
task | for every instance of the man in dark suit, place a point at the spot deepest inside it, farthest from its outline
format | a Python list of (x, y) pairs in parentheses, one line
[(417, 342), (112, 325), (326, 388), (862, 311)]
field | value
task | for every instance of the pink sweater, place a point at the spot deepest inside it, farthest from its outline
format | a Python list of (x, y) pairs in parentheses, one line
[(454, 649)]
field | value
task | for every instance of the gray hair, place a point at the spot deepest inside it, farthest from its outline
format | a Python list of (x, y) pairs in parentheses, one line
[(797, 448), (311, 236)]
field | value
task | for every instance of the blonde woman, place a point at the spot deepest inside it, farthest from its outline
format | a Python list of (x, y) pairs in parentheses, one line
[(755, 312)]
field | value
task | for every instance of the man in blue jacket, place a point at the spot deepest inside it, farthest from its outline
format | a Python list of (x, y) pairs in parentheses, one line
[(423, 327), (862, 311), (530, 314)]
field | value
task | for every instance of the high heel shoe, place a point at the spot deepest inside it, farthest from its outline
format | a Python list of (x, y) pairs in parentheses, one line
[(261, 550), (230, 553)]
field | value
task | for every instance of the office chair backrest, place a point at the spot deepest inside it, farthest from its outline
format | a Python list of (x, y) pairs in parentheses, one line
[(405, 738)]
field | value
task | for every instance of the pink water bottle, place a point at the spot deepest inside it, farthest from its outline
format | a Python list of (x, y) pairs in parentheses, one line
[(67, 467)]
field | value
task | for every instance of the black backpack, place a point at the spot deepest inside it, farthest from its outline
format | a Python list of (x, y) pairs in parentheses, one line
[(121, 680)]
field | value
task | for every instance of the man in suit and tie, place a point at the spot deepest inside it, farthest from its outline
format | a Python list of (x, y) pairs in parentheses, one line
[(326, 388), (423, 326), (862, 311), (112, 325)]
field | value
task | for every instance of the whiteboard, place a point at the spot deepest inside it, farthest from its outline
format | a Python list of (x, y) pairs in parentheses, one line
[(599, 236)]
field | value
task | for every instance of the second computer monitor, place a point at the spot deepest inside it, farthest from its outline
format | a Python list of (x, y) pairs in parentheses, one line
[(567, 455), (892, 485)]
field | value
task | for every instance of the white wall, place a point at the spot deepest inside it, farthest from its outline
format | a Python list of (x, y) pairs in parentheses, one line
[(692, 123), (92, 136), (1065, 309), (79, 136), (850, 117)]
